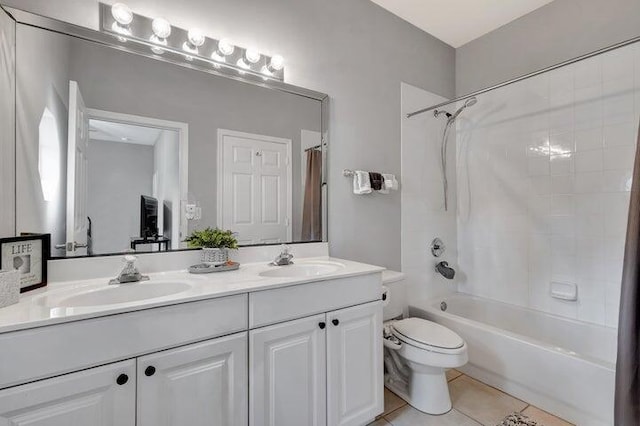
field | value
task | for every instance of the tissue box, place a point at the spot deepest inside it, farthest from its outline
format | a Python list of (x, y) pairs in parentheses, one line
[(9, 287)]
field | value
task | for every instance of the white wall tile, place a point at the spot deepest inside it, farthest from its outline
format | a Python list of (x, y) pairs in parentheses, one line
[(587, 139), (545, 187), (588, 161)]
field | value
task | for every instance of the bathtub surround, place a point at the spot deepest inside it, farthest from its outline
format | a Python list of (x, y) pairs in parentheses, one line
[(336, 47), (423, 215), (544, 169), (627, 402)]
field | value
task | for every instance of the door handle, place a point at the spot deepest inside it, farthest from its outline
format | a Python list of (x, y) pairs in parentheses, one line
[(322, 325), (335, 321)]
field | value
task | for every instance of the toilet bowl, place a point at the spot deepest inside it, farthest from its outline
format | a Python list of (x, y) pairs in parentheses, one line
[(417, 353)]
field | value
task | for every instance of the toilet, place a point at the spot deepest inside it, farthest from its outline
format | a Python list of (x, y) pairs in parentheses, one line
[(417, 352)]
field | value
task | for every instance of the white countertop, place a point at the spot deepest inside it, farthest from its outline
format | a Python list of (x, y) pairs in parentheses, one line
[(35, 308)]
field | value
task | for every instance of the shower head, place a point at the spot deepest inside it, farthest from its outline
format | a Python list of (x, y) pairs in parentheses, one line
[(471, 102), (468, 103)]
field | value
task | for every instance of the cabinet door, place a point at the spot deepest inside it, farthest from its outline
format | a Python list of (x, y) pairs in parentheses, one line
[(354, 365), (196, 385), (102, 396), (287, 373)]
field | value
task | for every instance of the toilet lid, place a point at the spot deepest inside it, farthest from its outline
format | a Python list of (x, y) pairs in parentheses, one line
[(427, 333)]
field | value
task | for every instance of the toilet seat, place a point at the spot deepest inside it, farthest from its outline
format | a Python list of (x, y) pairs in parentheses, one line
[(427, 335)]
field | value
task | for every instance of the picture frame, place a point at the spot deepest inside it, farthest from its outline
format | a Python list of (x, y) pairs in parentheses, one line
[(28, 253)]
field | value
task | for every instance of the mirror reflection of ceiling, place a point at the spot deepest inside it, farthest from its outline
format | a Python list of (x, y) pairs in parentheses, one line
[(122, 132)]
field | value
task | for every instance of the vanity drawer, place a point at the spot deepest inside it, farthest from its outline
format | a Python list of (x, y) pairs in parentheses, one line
[(57, 349), (297, 301)]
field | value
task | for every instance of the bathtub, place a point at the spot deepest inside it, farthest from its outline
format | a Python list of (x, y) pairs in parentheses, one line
[(563, 366)]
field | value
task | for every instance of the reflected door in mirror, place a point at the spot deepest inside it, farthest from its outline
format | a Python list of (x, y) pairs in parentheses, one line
[(255, 176)]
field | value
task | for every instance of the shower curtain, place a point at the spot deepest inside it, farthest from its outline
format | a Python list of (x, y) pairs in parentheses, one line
[(312, 208), (627, 405)]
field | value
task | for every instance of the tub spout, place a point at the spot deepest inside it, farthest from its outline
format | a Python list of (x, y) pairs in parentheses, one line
[(445, 270)]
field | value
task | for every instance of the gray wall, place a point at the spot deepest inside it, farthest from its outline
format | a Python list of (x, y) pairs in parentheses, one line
[(353, 50), (559, 31), (7, 125), (119, 173)]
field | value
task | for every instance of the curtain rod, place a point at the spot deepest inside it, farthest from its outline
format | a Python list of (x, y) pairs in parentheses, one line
[(526, 76)]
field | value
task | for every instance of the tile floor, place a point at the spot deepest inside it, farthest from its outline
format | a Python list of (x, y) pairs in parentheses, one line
[(474, 404)]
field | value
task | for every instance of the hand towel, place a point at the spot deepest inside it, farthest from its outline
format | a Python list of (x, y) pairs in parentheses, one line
[(390, 181), (361, 183), (376, 181)]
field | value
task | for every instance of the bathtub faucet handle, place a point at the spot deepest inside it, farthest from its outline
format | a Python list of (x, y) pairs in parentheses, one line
[(445, 270)]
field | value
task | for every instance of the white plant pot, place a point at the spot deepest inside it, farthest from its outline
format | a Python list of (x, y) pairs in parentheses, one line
[(214, 256)]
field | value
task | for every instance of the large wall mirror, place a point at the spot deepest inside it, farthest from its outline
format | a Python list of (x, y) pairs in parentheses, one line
[(117, 150)]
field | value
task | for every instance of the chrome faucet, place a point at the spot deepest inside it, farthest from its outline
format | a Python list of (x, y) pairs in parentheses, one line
[(284, 258), (129, 273)]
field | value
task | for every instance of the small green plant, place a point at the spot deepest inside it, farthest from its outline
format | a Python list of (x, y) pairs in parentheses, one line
[(212, 238)]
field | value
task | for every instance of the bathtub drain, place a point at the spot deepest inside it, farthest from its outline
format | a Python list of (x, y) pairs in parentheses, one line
[(443, 306)]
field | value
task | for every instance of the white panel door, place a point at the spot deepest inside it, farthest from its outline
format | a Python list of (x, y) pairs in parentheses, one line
[(96, 397), (255, 187), (204, 384), (287, 374), (78, 141), (354, 365)]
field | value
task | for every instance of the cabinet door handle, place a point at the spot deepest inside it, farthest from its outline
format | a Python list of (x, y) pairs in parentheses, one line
[(122, 379), (322, 325), (150, 371), (335, 321)]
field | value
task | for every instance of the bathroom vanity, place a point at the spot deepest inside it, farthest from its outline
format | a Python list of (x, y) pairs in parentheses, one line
[(261, 346)]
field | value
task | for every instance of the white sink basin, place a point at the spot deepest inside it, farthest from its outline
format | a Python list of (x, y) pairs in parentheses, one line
[(114, 294), (306, 269)]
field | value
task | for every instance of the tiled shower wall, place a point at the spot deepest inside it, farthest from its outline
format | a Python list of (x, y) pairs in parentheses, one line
[(544, 171)]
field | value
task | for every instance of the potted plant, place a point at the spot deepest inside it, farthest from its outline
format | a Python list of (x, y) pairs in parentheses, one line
[(215, 244)]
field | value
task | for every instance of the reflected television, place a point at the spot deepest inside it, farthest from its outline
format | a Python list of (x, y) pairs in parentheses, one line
[(148, 217)]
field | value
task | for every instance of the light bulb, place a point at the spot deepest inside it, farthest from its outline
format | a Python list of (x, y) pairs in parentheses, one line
[(122, 14), (276, 63), (196, 37), (225, 47), (251, 56), (161, 28)]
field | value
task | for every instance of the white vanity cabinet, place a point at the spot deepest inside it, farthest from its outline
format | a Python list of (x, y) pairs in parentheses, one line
[(307, 354), (320, 370), (204, 384), (354, 365), (287, 370), (104, 396), (200, 384)]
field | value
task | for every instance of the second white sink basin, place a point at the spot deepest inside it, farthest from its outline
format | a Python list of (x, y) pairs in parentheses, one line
[(115, 294), (306, 269)]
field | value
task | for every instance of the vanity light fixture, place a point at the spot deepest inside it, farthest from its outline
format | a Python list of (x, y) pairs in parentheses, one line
[(178, 44), (161, 30), (249, 58), (195, 39), (123, 16), (275, 64), (225, 48)]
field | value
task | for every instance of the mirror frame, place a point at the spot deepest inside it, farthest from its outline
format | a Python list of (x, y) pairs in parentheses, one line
[(22, 17)]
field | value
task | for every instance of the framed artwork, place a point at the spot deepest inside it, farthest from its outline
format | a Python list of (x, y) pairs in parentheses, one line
[(28, 254)]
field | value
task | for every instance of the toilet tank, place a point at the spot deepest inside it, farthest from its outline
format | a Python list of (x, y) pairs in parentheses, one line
[(396, 302)]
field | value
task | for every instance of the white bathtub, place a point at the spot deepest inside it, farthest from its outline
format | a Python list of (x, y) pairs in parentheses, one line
[(563, 366)]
